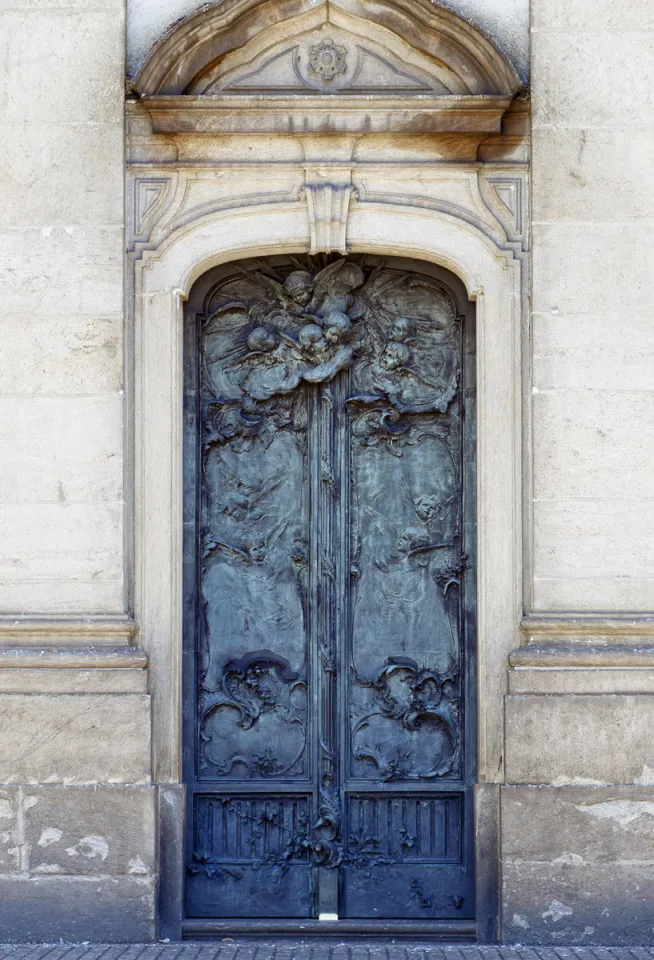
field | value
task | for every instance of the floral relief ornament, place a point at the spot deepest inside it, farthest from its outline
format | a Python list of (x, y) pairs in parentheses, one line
[(327, 59)]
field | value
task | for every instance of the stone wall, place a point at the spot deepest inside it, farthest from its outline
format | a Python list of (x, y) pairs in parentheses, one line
[(61, 399), (77, 806), (76, 811), (593, 379), (577, 813)]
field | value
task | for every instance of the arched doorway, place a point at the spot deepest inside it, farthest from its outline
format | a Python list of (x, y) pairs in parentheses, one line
[(330, 608), (241, 147)]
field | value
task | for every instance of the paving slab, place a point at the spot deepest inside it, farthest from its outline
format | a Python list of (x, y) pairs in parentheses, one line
[(273, 949)]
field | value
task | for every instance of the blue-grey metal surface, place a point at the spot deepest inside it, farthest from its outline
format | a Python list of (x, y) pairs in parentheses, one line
[(329, 592)]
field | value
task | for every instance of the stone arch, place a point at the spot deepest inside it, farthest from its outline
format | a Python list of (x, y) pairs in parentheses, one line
[(443, 45), (163, 279)]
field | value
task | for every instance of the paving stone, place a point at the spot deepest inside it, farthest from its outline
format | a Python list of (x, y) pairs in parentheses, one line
[(315, 950)]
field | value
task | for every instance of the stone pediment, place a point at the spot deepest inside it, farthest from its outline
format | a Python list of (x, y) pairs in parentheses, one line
[(328, 61), (340, 65)]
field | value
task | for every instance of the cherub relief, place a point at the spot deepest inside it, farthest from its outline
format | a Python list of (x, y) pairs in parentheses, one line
[(278, 362), (272, 335), (403, 549), (276, 333)]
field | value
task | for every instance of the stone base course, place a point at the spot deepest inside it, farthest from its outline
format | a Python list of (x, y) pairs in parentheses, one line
[(100, 908)]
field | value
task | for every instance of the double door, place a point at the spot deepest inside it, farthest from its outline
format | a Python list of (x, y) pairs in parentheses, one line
[(329, 592)]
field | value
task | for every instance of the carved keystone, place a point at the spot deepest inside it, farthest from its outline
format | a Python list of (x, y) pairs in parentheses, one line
[(328, 203)]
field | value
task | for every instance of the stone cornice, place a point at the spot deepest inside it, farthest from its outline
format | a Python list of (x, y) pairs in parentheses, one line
[(66, 631), (334, 114), (585, 641), (553, 655), (580, 625), (70, 658)]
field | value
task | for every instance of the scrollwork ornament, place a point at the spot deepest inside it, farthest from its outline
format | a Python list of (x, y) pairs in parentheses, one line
[(250, 688), (326, 843), (377, 423), (418, 699)]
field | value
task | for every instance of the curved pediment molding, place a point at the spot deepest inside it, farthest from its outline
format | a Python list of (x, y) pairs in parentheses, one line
[(236, 56), (326, 60)]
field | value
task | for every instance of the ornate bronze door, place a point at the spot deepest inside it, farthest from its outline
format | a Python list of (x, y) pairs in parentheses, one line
[(330, 598)]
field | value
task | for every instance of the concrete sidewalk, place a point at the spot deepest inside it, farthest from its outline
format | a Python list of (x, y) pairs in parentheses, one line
[(312, 950)]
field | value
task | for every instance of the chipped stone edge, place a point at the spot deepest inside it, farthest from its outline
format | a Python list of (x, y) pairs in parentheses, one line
[(77, 632)]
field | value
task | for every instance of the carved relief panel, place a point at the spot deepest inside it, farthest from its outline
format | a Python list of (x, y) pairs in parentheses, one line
[(329, 591)]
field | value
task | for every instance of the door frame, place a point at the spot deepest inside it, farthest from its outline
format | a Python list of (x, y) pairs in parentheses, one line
[(493, 271)]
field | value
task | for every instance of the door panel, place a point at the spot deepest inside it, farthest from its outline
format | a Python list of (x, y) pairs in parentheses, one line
[(329, 591)]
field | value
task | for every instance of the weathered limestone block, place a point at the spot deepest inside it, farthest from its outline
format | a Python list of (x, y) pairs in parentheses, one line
[(577, 824), (588, 173), (577, 864), (69, 538), (564, 680), (606, 82), (89, 830), (106, 909), (63, 596), (56, 556), (78, 738), (567, 740), (9, 833), (592, 554), (91, 40), (578, 538), (171, 799), (598, 15), (60, 271), (577, 903), (572, 262), (611, 591), (76, 355), (73, 681), (487, 842), (593, 352), (584, 438), (35, 182), (73, 451)]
